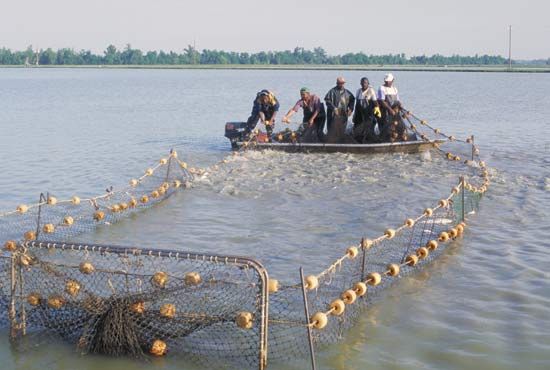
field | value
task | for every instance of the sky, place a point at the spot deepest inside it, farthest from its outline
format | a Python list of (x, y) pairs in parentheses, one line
[(465, 27)]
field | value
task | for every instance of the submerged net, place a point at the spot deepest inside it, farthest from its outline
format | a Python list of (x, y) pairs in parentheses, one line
[(219, 311)]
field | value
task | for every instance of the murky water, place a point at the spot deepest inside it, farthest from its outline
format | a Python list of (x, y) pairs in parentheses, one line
[(483, 304)]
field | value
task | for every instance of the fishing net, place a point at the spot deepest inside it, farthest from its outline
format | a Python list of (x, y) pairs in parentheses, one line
[(138, 302), (219, 311)]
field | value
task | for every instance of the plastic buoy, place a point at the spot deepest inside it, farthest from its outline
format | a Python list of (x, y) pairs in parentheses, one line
[(192, 278), (312, 282), (366, 243), (149, 172), (393, 269), (374, 278), (422, 252), (163, 161), (30, 235), (360, 289), (52, 201), (444, 236), (138, 307), (411, 260), (352, 252), (432, 245), (337, 307), (244, 320), (272, 285), (453, 233), (99, 215), (319, 320), (144, 199), (33, 299), (428, 212), (22, 208), (349, 296), (56, 301), (390, 233), (10, 245), (160, 279), (158, 348), (86, 268), (72, 288), (409, 222), (443, 203), (168, 310)]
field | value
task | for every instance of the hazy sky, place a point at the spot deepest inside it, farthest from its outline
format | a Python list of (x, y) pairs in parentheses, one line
[(392, 26)]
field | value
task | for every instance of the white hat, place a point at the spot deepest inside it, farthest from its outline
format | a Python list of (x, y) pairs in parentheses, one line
[(388, 77)]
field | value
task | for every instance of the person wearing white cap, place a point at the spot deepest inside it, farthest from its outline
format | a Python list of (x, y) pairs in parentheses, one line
[(340, 102), (393, 128)]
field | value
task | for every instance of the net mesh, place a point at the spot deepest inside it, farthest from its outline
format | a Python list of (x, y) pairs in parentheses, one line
[(219, 311)]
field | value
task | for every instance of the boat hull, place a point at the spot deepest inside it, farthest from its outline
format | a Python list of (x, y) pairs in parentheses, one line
[(396, 147)]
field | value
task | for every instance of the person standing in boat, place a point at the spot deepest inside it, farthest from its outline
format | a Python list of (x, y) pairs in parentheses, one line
[(313, 124), (393, 127), (366, 112), (264, 109), (340, 102)]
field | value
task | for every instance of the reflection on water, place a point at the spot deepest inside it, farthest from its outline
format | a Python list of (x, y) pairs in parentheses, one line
[(482, 304)]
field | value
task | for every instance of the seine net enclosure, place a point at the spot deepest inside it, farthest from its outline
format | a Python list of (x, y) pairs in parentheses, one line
[(219, 311)]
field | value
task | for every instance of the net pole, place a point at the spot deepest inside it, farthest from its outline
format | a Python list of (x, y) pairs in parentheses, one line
[(306, 311), (463, 183), (473, 148), (13, 288), (363, 260)]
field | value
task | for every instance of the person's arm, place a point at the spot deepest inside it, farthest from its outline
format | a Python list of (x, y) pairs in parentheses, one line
[(328, 100), (351, 103), (317, 105), (290, 113), (383, 102)]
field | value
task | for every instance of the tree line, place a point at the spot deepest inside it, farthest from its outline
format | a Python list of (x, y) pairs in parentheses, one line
[(190, 55)]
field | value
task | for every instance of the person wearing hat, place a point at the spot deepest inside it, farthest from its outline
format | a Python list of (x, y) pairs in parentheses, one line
[(313, 124), (393, 127), (366, 112), (340, 102), (264, 109)]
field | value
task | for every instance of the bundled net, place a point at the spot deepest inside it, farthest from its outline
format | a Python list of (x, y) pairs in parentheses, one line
[(138, 302), (219, 311)]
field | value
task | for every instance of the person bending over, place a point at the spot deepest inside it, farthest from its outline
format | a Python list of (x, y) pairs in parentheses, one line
[(313, 124), (264, 109)]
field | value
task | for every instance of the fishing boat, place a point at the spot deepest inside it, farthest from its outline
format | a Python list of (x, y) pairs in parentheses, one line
[(234, 131)]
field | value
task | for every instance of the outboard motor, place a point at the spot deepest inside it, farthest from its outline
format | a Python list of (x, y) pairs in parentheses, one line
[(235, 132)]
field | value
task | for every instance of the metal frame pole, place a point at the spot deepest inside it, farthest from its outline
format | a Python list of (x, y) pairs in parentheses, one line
[(463, 182), (306, 311)]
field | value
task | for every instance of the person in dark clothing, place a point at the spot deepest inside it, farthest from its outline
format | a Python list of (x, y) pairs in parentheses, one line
[(264, 109), (340, 102), (393, 127), (366, 112), (313, 124)]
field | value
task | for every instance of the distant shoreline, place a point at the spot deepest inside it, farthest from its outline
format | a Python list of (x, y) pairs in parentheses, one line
[(313, 67)]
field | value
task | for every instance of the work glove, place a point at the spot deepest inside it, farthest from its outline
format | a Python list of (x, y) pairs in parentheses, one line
[(377, 112)]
